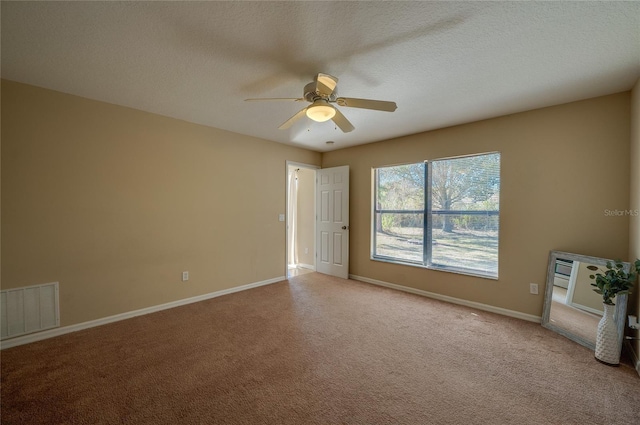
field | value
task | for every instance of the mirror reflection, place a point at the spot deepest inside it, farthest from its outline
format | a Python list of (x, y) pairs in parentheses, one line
[(571, 306)]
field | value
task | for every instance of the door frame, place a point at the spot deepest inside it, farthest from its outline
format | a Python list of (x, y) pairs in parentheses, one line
[(286, 226)]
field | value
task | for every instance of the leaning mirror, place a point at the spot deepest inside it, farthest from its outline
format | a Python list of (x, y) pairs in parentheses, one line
[(571, 307)]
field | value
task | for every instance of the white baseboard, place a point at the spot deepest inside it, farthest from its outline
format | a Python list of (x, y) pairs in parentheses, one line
[(479, 306), (14, 342), (634, 356), (307, 266)]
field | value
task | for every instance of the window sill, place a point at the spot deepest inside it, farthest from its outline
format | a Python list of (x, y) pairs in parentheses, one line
[(461, 271)]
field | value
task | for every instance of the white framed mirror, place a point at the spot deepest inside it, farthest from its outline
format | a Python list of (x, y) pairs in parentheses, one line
[(571, 307)]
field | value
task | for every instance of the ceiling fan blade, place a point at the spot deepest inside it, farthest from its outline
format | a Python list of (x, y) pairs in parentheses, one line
[(288, 123), (326, 84), (297, 99), (378, 105), (342, 122)]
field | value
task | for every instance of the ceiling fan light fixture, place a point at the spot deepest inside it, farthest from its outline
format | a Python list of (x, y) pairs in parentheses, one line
[(321, 111)]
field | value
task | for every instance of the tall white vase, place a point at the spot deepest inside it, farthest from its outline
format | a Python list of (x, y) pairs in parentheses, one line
[(607, 342)]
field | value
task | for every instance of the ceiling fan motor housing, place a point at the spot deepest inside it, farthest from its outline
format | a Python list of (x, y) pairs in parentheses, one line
[(312, 92)]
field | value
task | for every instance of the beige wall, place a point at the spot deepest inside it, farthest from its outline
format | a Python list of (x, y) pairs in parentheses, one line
[(634, 204), (306, 216), (555, 188), (115, 203)]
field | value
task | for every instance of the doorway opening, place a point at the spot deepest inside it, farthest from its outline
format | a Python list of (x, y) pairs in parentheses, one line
[(301, 219)]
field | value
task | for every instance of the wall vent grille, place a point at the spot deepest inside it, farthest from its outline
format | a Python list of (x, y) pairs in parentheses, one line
[(29, 309)]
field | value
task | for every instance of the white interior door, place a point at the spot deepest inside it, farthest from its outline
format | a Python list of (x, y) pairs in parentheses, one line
[(332, 221)]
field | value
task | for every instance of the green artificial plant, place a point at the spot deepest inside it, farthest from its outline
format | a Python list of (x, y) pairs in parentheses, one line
[(615, 280)]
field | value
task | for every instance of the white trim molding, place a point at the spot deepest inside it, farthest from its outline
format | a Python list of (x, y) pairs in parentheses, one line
[(38, 336), (473, 304)]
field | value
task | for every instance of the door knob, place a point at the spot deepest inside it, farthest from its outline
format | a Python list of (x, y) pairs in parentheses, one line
[(345, 227)]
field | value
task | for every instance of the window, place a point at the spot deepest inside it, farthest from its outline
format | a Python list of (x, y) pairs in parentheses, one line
[(441, 214)]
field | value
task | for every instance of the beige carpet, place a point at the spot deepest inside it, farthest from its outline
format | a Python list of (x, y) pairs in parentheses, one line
[(315, 350), (576, 321)]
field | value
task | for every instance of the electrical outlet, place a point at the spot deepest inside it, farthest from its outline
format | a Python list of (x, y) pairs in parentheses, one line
[(306, 250), (185, 276), (533, 288)]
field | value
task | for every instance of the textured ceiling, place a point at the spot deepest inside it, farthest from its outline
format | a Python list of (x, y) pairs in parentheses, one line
[(443, 63)]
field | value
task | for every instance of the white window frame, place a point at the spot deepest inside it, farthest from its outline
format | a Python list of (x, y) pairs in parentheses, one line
[(427, 225)]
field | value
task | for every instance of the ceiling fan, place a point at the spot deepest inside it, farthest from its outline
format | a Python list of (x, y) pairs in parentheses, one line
[(321, 93)]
